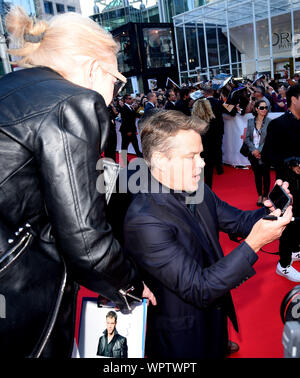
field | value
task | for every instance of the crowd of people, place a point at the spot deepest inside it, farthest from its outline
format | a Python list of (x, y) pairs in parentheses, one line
[(233, 98), (54, 229)]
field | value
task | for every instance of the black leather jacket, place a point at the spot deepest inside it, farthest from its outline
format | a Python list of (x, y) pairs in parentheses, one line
[(50, 130), (119, 347)]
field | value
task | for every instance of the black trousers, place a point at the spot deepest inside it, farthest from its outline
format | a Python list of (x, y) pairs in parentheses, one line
[(290, 238), (126, 140), (261, 176)]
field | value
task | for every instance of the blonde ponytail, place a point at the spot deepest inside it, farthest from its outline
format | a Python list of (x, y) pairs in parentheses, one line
[(25, 34), (57, 44)]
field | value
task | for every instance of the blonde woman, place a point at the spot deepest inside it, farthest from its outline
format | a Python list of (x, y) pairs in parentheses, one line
[(203, 110), (53, 229)]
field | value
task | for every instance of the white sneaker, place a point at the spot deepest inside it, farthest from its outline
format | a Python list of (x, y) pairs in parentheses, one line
[(296, 256), (289, 273)]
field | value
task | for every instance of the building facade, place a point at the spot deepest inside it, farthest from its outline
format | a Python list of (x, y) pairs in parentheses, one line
[(239, 37), (147, 54), (47, 9)]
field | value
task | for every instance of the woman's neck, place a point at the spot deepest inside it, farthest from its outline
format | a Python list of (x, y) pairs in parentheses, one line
[(260, 118)]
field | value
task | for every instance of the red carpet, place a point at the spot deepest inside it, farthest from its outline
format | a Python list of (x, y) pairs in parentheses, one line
[(258, 300)]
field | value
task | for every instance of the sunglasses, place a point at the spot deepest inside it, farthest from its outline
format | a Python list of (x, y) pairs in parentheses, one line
[(263, 108), (118, 86), (119, 83)]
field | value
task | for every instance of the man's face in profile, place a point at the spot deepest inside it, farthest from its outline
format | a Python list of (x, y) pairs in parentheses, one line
[(110, 325), (172, 96), (184, 163)]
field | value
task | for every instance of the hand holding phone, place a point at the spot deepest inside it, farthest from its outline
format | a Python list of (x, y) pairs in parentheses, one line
[(279, 198)]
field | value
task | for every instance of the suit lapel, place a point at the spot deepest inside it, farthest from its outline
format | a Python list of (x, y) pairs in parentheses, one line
[(177, 212)]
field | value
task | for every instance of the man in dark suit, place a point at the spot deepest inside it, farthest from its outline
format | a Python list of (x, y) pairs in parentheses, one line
[(128, 128), (152, 101), (171, 99), (171, 231), (183, 104)]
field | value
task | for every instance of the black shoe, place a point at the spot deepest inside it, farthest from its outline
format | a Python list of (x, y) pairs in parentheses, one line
[(232, 347), (259, 202)]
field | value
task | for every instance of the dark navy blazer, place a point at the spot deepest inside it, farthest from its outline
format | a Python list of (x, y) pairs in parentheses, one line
[(180, 258)]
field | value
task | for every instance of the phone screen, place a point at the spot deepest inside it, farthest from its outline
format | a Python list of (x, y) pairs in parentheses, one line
[(279, 198)]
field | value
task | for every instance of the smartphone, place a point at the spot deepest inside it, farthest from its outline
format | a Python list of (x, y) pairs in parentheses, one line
[(279, 198)]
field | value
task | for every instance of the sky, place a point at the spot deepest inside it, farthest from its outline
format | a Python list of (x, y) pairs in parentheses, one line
[(88, 5)]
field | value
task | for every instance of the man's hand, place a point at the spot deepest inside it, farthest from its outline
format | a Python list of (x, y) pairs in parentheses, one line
[(266, 231), (147, 293)]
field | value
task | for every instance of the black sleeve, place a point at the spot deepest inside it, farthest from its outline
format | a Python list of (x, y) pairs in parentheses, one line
[(67, 150)]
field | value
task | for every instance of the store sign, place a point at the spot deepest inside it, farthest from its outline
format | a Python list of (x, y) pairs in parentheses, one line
[(282, 41)]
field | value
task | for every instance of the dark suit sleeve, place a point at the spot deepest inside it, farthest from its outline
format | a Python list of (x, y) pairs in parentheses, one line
[(232, 220), (155, 248), (124, 348), (99, 347)]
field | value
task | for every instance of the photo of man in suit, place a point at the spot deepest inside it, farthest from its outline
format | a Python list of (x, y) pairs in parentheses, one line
[(174, 240), (111, 344), (128, 128)]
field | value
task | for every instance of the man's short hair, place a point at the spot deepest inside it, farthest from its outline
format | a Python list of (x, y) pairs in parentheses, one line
[(168, 93), (112, 314), (125, 97), (157, 129), (184, 92), (293, 91), (150, 95), (260, 89), (208, 90)]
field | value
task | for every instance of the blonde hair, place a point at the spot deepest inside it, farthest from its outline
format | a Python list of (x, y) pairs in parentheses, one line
[(203, 110), (62, 39)]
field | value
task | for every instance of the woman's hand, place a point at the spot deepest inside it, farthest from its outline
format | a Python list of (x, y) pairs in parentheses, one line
[(256, 154)]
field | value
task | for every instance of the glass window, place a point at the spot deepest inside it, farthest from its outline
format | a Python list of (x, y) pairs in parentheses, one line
[(71, 9), (212, 45), (190, 31), (125, 55), (48, 7), (60, 8), (159, 47)]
